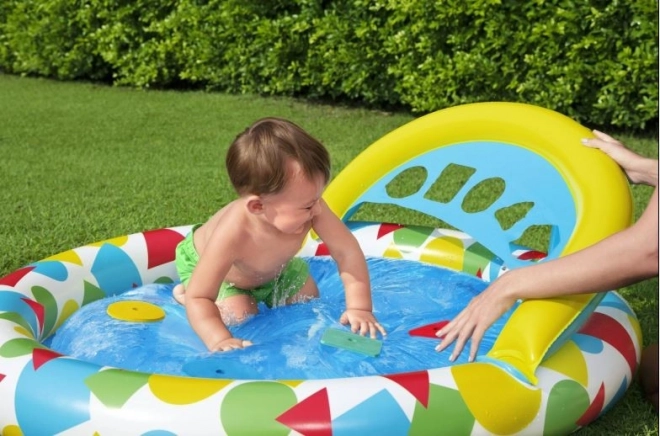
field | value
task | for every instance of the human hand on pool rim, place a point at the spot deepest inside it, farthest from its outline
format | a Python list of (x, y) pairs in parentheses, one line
[(638, 169), (362, 322)]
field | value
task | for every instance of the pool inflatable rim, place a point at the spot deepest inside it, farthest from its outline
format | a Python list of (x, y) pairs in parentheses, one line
[(36, 299)]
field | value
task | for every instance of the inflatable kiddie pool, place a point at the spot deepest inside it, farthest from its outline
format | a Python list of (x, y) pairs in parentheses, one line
[(556, 365)]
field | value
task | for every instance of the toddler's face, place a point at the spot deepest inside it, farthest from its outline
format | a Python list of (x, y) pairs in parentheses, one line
[(291, 210)]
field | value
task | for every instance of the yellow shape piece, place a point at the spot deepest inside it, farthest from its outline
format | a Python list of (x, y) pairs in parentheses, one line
[(68, 256), (118, 241), (67, 310), (21, 331), (569, 360), (392, 252), (135, 311), (291, 383), (12, 430), (529, 333), (445, 251), (494, 397), (182, 390)]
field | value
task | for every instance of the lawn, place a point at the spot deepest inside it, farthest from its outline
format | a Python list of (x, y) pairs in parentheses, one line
[(83, 162)]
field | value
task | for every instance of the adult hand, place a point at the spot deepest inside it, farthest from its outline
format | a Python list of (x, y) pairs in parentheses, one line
[(362, 322), (638, 169), (473, 321)]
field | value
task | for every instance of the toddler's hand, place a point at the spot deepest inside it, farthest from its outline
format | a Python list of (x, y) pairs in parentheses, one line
[(362, 321), (230, 344)]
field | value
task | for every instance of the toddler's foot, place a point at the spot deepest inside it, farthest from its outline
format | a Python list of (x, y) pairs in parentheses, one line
[(179, 293)]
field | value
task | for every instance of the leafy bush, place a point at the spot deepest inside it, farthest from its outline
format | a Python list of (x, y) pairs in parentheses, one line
[(596, 61)]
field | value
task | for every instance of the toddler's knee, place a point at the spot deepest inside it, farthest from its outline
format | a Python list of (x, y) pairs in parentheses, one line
[(179, 293), (233, 313)]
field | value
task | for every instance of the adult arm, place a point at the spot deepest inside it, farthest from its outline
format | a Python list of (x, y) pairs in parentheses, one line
[(624, 258)]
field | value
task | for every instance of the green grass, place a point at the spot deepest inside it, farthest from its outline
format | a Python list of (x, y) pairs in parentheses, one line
[(82, 163)]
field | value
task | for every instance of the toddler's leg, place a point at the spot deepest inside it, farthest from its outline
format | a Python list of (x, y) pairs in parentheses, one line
[(179, 293), (306, 293), (237, 308)]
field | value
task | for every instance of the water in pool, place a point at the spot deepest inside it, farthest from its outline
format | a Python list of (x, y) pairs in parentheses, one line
[(287, 339)]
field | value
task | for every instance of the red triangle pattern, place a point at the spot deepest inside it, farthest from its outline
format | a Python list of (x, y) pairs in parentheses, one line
[(311, 416), (417, 383), (532, 255), (322, 250), (12, 278), (594, 408), (609, 330), (428, 330), (41, 356), (2, 376), (38, 310), (387, 228), (478, 273), (161, 246)]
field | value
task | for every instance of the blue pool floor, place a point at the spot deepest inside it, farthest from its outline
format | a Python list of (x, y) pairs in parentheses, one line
[(287, 339)]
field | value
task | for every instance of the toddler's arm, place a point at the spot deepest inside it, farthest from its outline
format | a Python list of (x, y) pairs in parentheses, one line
[(345, 250), (202, 292)]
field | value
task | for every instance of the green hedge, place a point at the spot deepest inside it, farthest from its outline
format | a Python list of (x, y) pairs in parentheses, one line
[(594, 60)]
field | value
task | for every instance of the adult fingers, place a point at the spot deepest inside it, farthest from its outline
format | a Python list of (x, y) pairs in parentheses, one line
[(600, 144), (452, 325), (456, 324), (461, 340), (477, 336), (450, 335), (604, 136), (446, 341)]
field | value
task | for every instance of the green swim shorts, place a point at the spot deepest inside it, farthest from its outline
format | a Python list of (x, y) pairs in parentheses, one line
[(287, 284)]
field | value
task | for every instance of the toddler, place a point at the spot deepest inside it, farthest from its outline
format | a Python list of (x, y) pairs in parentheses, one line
[(245, 253)]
